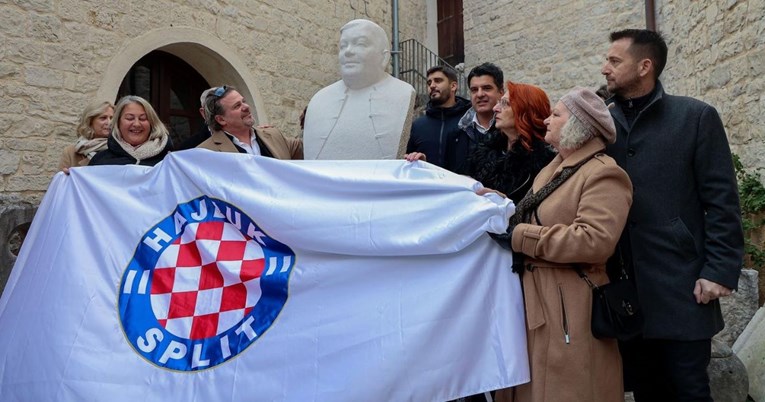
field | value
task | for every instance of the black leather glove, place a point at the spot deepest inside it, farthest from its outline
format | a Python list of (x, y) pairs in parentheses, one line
[(518, 263), (504, 239)]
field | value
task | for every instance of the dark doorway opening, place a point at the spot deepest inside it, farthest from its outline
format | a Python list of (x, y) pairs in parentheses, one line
[(451, 35), (172, 87)]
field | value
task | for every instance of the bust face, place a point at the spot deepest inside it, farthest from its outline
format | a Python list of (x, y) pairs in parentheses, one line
[(361, 56)]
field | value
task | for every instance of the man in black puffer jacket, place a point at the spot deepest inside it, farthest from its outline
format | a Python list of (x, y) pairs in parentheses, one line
[(431, 131)]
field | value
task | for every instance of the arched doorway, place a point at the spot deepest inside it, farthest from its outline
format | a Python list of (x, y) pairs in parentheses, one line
[(213, 59), (172, 87)]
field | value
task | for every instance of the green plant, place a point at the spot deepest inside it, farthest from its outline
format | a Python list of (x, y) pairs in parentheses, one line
[(751, 193)]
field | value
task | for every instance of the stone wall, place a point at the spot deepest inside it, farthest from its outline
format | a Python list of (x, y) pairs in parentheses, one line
[(15, 216), (55, 53), (716, 51), (717, 54), (553, 44)]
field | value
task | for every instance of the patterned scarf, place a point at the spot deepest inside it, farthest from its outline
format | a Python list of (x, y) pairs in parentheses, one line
[(88, 148), (526, 208), (151, 147), (531, 201)]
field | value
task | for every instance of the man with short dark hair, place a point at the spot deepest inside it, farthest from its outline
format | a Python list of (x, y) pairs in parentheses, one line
[(231, 123), (683, 243), (486, 84), (431, 131)]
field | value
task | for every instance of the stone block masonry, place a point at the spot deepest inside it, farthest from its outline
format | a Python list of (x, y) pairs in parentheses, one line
[(54, 57), (716, 51)]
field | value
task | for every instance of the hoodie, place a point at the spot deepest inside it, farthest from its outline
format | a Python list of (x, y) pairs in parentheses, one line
[(430, 132)]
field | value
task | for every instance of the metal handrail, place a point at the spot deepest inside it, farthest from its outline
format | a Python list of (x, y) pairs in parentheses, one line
[(415, 60)]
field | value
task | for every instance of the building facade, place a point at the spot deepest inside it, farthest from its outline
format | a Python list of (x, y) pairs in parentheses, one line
[(716, 51), (60, 55)]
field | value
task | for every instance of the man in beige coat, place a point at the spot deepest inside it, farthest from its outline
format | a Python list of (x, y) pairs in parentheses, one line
[(231, 122)]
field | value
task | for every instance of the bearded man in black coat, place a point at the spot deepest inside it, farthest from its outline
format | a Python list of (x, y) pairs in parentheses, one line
[(683, 242)]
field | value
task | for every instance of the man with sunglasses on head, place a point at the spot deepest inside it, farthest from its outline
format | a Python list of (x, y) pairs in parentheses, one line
[(683, 242), (232, 125)]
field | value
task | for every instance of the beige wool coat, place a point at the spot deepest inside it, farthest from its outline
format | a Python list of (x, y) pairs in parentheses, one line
[(580, 222), (280, 146), (70, 158)]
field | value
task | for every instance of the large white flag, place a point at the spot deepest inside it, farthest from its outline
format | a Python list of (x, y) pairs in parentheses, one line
[(220, 277)]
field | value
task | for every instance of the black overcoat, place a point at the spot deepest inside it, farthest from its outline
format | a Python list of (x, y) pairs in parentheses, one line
[(685, 220)]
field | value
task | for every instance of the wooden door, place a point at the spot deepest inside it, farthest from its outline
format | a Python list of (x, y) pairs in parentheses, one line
[(451, 41), (172, 87)]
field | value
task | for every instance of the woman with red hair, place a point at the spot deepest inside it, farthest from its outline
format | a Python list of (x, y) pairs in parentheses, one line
[(509, 158), (562, 234)]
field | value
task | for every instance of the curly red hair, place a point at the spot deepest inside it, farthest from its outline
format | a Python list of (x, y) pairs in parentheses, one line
[(531, 107)]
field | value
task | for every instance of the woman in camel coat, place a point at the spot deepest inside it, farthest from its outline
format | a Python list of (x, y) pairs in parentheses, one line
[(92, 131), (579, 222)]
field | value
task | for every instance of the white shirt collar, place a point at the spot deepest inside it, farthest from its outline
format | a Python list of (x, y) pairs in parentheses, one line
[(252, 148), (478, 125)]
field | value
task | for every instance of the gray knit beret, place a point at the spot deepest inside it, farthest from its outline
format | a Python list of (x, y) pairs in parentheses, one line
[(590, 109)]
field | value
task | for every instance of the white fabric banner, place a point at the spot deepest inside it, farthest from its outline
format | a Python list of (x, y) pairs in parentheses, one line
[(220, 277)]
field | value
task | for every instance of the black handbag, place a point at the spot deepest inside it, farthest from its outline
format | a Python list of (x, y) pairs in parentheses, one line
[(615, 308)]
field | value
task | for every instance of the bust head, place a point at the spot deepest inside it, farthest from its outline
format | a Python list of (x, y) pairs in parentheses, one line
[(363, 53)]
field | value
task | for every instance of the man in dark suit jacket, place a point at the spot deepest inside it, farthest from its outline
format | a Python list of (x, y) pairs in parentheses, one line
[(232, 124), (683, 241)]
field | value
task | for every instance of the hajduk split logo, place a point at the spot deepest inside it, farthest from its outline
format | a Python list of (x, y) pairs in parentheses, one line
[(204, 284)]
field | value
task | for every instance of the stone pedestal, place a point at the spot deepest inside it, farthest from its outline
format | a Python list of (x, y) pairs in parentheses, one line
[(727, 375), (15, 218), (739, 308), (750, 348)]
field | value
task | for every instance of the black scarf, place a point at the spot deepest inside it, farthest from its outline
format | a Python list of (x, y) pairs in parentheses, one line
[(528, 207), (632, 107), (510, 172), (531, 201)]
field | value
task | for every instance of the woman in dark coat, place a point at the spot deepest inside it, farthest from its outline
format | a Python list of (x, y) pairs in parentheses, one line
[(138, 137), (509, 158)]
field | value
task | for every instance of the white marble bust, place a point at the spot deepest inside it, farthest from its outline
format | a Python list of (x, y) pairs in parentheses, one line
[(367, 114)]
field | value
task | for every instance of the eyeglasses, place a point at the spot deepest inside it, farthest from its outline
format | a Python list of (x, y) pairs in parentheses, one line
[(503, 103)]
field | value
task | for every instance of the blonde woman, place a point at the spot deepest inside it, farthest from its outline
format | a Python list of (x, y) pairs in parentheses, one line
[(572, 217), (92, 131), (137, 137)]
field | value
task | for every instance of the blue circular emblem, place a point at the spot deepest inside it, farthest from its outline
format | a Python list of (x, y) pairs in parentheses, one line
[(203, 285)]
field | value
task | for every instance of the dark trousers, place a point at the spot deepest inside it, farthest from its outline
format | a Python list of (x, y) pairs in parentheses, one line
[(659, 370), (476, 398)]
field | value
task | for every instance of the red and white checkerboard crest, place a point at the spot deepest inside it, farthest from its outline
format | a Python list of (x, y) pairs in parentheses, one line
[(203, 285)]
